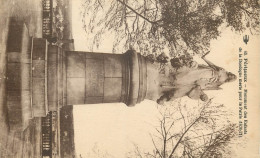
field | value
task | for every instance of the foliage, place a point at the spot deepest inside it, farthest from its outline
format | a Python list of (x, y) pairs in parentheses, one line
[(97, 152), (179, 26), (199, 131)]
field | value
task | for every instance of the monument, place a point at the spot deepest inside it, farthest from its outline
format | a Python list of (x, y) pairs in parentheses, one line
[(56, 77), (42, 78), (47, 78)]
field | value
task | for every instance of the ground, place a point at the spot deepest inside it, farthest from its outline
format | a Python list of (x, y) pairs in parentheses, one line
[(13, 143)]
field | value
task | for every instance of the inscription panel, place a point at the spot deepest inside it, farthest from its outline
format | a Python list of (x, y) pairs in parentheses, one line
[(94, 77)]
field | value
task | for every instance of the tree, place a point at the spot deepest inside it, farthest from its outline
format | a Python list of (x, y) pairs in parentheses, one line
[(97, 152), (202, 131), (181, 26)]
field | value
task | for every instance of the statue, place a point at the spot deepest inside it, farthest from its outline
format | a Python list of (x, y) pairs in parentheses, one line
[(186, 77)]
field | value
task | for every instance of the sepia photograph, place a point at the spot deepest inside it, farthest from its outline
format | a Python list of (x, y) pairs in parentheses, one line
[(130, 79)]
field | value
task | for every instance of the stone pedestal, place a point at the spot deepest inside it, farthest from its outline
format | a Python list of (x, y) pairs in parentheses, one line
[(18, 92), (109, 78), (43, 78)]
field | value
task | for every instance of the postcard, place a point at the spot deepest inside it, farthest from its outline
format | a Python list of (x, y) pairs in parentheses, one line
[(129, 79)]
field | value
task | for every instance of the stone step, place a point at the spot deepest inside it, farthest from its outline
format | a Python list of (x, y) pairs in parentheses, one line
[(9, 145), (18, 145), (55, 75), (18, 75), (37, 140), (31, 139), (15, 35), (39, 77), (23, 144)]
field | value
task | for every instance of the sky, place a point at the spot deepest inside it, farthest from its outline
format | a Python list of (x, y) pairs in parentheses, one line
[(81, 40), (114, 128)]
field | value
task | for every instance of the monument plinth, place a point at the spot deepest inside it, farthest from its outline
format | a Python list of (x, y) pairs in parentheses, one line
[(75, 77), (57, 78), (108, 78)]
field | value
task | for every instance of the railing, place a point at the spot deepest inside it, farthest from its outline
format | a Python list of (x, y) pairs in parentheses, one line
[(47, 6), (47, 135)]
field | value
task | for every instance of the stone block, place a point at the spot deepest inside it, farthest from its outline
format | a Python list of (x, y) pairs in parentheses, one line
[(75, 91), (94, 77), (18, 145), (39, 97), (15, 117), (17, 57), (26, 41), (26, 104), (14, 104), (125, 88), (53, 73), (112, 90), (13, 76), (38, 68), (52, 105), (52, 53), (94, 100), (14, 95), (91, 55), (76, 64), (15, 35), (113, 66), (60, 79), (25, 76), (52, 81), (39, 49), (25, 58), (13, 57), (19, 109), (64, 83)]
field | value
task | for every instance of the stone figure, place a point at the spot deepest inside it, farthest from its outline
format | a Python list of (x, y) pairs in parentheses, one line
[(188, 78), (192, 92)]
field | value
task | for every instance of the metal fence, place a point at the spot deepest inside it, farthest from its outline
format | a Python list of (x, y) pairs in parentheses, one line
[(47, 16), (47, 135)]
